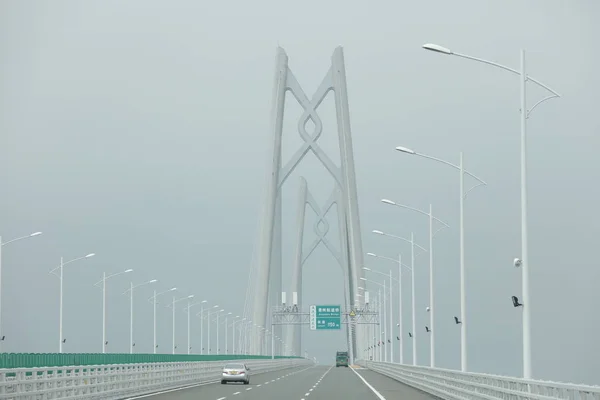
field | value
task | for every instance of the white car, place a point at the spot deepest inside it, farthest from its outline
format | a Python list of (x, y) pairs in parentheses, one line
[(235, 372)]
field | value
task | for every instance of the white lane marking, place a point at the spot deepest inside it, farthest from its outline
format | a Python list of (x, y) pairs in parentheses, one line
[(369, 386), (198, 385), (237, 393), (307, 394), (221, 398), (310, 390), (249, 389), (171, 390)]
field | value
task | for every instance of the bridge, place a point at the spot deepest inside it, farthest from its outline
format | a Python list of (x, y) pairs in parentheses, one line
[(267, 337)]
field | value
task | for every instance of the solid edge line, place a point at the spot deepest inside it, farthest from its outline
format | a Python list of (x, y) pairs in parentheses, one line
[(369, 385), (172, 390)]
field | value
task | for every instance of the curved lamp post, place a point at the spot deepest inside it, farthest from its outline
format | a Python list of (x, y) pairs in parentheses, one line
[(226, 334), (130, 291), (385, 317), (431, 236), (218, 313), (103, 282), (234, 319), (153, 298), (413, 290), (524, 113), (463, 195), (390, 319), (187, 309), (59, 274), (2, 244), (208, 327), (175, 301)]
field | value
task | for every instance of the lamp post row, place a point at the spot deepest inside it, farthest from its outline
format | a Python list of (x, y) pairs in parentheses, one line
[(524, 261), (59, 272)]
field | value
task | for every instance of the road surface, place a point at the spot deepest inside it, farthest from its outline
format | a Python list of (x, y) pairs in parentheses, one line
[(308, 383)]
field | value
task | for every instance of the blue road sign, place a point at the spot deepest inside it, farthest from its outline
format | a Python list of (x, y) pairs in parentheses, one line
[(325, 317)]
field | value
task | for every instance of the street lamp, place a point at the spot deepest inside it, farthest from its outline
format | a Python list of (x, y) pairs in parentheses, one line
[(400, 307), (377, 332), (524, 113), (208, 321), (384, 310), (189, 346), (130, 290), (413, 290), (431, 235), (153, 298), (391, 323), (226, 330), (233, 333), (61, 268), (2, 244), (218, 313), (245, 343), (103, 282), (463, 195), (175, 301)]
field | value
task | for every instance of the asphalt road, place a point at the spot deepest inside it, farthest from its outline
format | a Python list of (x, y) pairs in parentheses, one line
[(308, 383)]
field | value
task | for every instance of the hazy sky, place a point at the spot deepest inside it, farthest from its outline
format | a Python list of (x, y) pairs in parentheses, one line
[(139, 131)]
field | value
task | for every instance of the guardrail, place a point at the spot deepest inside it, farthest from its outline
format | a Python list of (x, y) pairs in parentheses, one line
[(120, 381), (456, 385), (30, 360)]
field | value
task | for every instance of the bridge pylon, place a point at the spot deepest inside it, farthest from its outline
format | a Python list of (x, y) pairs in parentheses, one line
[(268, 275)]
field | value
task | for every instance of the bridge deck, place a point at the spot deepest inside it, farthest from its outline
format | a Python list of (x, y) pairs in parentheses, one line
[(312, 383)]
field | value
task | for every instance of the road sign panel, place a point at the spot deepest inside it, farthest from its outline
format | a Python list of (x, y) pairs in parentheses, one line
[(325, 317)]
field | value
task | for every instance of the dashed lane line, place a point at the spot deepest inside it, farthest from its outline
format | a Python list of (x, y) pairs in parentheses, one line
[(266, 383), (317, 383)]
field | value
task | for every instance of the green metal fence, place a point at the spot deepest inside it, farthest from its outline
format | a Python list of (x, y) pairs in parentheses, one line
[(32, 360)]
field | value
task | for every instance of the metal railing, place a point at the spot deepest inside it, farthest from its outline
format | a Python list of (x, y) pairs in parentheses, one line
[(456, 385), (119, 381)]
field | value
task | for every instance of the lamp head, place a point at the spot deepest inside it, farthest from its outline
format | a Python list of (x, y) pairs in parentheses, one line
[(128, 270), (35, 234), (363, 279), (366, 269), (405, 150), (153, 280), (437, 48), (372, 254), (90, 255), (386, 201)]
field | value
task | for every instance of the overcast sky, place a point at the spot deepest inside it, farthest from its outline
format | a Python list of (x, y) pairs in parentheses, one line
[(139, 131)]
